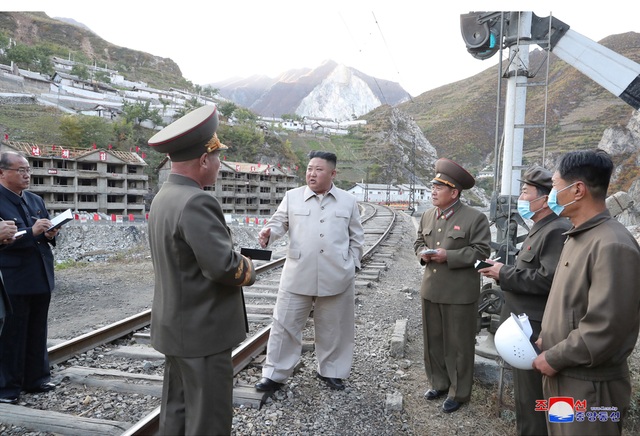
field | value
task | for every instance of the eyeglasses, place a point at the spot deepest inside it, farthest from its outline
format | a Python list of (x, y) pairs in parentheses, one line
[(22, 170)]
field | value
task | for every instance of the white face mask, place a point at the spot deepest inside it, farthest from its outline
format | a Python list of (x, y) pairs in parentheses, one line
[(553, 200)]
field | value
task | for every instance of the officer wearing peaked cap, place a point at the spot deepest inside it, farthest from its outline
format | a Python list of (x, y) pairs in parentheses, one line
[(526, 285), (453, 175), (198, 281), (450, 289), (190, 136)]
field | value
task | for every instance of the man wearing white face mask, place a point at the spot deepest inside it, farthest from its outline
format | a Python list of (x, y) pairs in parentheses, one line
[(590, 324), (526, 285)]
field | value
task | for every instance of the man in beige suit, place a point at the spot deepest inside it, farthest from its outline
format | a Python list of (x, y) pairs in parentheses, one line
[(198, 312), (325, 247)]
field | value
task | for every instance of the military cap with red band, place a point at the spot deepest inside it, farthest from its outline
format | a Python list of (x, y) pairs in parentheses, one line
[(190, 136), (453, 175)]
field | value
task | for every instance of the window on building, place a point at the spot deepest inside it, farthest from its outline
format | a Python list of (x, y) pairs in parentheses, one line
[(111, 168), (115, 198), (265, 189), (87, 182), (87, 198), (115, 183), (87, 166), (132, 169), (37, 180), (64, 164), (37, 163), (134, 199), (62, 198), (61, 181)]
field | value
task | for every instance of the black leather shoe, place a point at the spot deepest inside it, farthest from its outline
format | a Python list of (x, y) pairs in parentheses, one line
[(9, 400), (433, 394), (333, 383), (44, 387), (450, 405), (266, 384)]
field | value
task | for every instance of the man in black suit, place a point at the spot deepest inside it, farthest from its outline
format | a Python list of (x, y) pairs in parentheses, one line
[(7, 233), (27, 269)]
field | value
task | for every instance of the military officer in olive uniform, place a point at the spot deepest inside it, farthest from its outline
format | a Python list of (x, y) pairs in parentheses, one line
[(198, 311), (460, 236), (526, 285)]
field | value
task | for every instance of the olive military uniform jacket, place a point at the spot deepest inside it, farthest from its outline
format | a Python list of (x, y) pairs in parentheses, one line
[(590, 324), (527, 283), (198, 306), (325, 241), (464, 233)]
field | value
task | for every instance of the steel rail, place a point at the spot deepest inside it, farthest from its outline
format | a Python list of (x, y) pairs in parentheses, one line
[(241, 356)]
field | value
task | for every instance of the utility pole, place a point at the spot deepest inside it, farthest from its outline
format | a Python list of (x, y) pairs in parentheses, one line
[(412, 181), (366, 187)]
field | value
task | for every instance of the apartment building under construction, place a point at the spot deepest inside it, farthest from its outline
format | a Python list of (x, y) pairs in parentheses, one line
[(247, 189), (91, 180)]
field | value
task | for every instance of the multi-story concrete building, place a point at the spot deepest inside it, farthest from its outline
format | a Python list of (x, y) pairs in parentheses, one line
[(246, 189), (85, 180)]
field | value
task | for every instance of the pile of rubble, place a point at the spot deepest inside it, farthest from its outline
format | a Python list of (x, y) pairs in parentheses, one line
[(93, 242)]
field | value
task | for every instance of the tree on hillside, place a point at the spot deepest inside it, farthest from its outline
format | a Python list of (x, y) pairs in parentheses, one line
[(189, 105), (36, 58), (227, 108), (244, 115), (81, 71), (210, 91), (243, 141), (137, 113), (82, 131), (102, 76), (71, 131), (123, 133)]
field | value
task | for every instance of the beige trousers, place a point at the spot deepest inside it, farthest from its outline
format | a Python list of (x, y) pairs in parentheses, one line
[(334, 334)]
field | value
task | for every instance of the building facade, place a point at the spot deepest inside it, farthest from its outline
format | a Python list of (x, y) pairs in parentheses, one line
[(85, 180), (246, 189)]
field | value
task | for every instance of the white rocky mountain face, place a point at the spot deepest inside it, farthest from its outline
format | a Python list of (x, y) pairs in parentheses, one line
[(331, 91), (341, 96)]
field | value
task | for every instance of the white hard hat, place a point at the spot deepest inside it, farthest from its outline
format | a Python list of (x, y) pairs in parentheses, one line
[(513, 344)]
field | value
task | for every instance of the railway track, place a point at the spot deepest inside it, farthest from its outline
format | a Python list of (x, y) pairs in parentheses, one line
[(377, 221)]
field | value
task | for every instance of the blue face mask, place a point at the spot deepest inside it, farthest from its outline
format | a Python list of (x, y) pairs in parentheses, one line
[(553, 200), (524, 208)]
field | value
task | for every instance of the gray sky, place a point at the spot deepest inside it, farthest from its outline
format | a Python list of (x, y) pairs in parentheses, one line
[(406, 41)]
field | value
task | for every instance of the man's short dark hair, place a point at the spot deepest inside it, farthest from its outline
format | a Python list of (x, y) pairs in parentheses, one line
[(541, 192), (326, 155), (593, 167)]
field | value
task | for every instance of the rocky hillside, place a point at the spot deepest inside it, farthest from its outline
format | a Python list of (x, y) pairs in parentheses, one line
[(32, 28), (459, 119)]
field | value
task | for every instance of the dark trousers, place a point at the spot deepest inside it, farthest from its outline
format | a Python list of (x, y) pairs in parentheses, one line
[(24, 359), (197, 395)]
